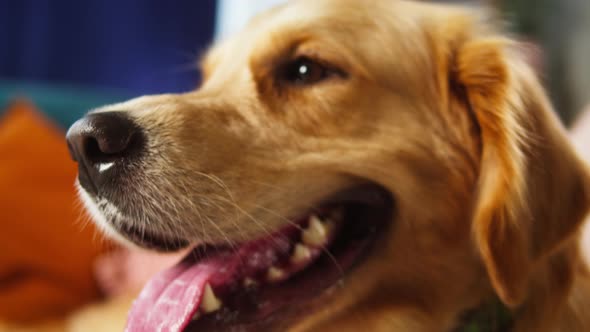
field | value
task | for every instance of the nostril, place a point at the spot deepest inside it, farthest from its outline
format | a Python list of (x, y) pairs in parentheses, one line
[(94, 152), (105, 137), (102, 149)]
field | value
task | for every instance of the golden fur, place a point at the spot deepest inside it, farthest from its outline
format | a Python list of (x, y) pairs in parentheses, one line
[(436, 107)]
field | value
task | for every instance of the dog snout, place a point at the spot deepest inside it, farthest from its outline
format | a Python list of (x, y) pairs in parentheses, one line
[(102, 144)]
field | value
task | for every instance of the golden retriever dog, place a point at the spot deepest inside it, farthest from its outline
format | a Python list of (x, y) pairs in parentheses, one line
[(348, 165)]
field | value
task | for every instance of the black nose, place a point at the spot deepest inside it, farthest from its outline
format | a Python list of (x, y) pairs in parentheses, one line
[(103, 143)]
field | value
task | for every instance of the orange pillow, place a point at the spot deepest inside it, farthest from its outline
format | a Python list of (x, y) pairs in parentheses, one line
[(47, 248)]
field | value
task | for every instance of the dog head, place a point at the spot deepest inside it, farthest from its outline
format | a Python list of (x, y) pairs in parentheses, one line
[(345, 165)]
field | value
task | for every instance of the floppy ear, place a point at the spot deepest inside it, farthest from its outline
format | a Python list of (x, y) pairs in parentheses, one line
[(533, 188)]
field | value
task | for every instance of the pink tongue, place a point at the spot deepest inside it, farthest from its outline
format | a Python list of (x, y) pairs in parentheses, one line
[(170, 299), (168, 302)]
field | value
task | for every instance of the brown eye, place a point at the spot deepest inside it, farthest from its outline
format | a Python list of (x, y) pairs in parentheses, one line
[(304, 71)]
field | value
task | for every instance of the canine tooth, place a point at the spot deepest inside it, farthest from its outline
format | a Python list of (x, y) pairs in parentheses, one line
[(301, 253), (196, 316), (275, 274), (316, 233), (210, 302)]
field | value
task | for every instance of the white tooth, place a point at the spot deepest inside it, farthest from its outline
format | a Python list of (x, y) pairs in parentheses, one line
[(210, 302), (249, 282), (196, 315), (275, 274), (301, 253), (316, 233)]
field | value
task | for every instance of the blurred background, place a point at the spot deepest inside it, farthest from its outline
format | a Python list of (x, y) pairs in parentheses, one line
[(61, 58)]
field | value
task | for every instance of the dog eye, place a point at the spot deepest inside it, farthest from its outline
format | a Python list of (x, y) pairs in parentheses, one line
[(304, 71)]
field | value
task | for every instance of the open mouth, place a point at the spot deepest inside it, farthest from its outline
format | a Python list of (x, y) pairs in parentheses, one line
[(260, 283)]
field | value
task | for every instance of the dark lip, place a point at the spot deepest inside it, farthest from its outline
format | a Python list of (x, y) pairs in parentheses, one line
[(150, 240), (362, 194), (372, 209), (142, 237)]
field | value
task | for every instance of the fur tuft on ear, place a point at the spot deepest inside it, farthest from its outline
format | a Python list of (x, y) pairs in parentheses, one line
[(533, 189)]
